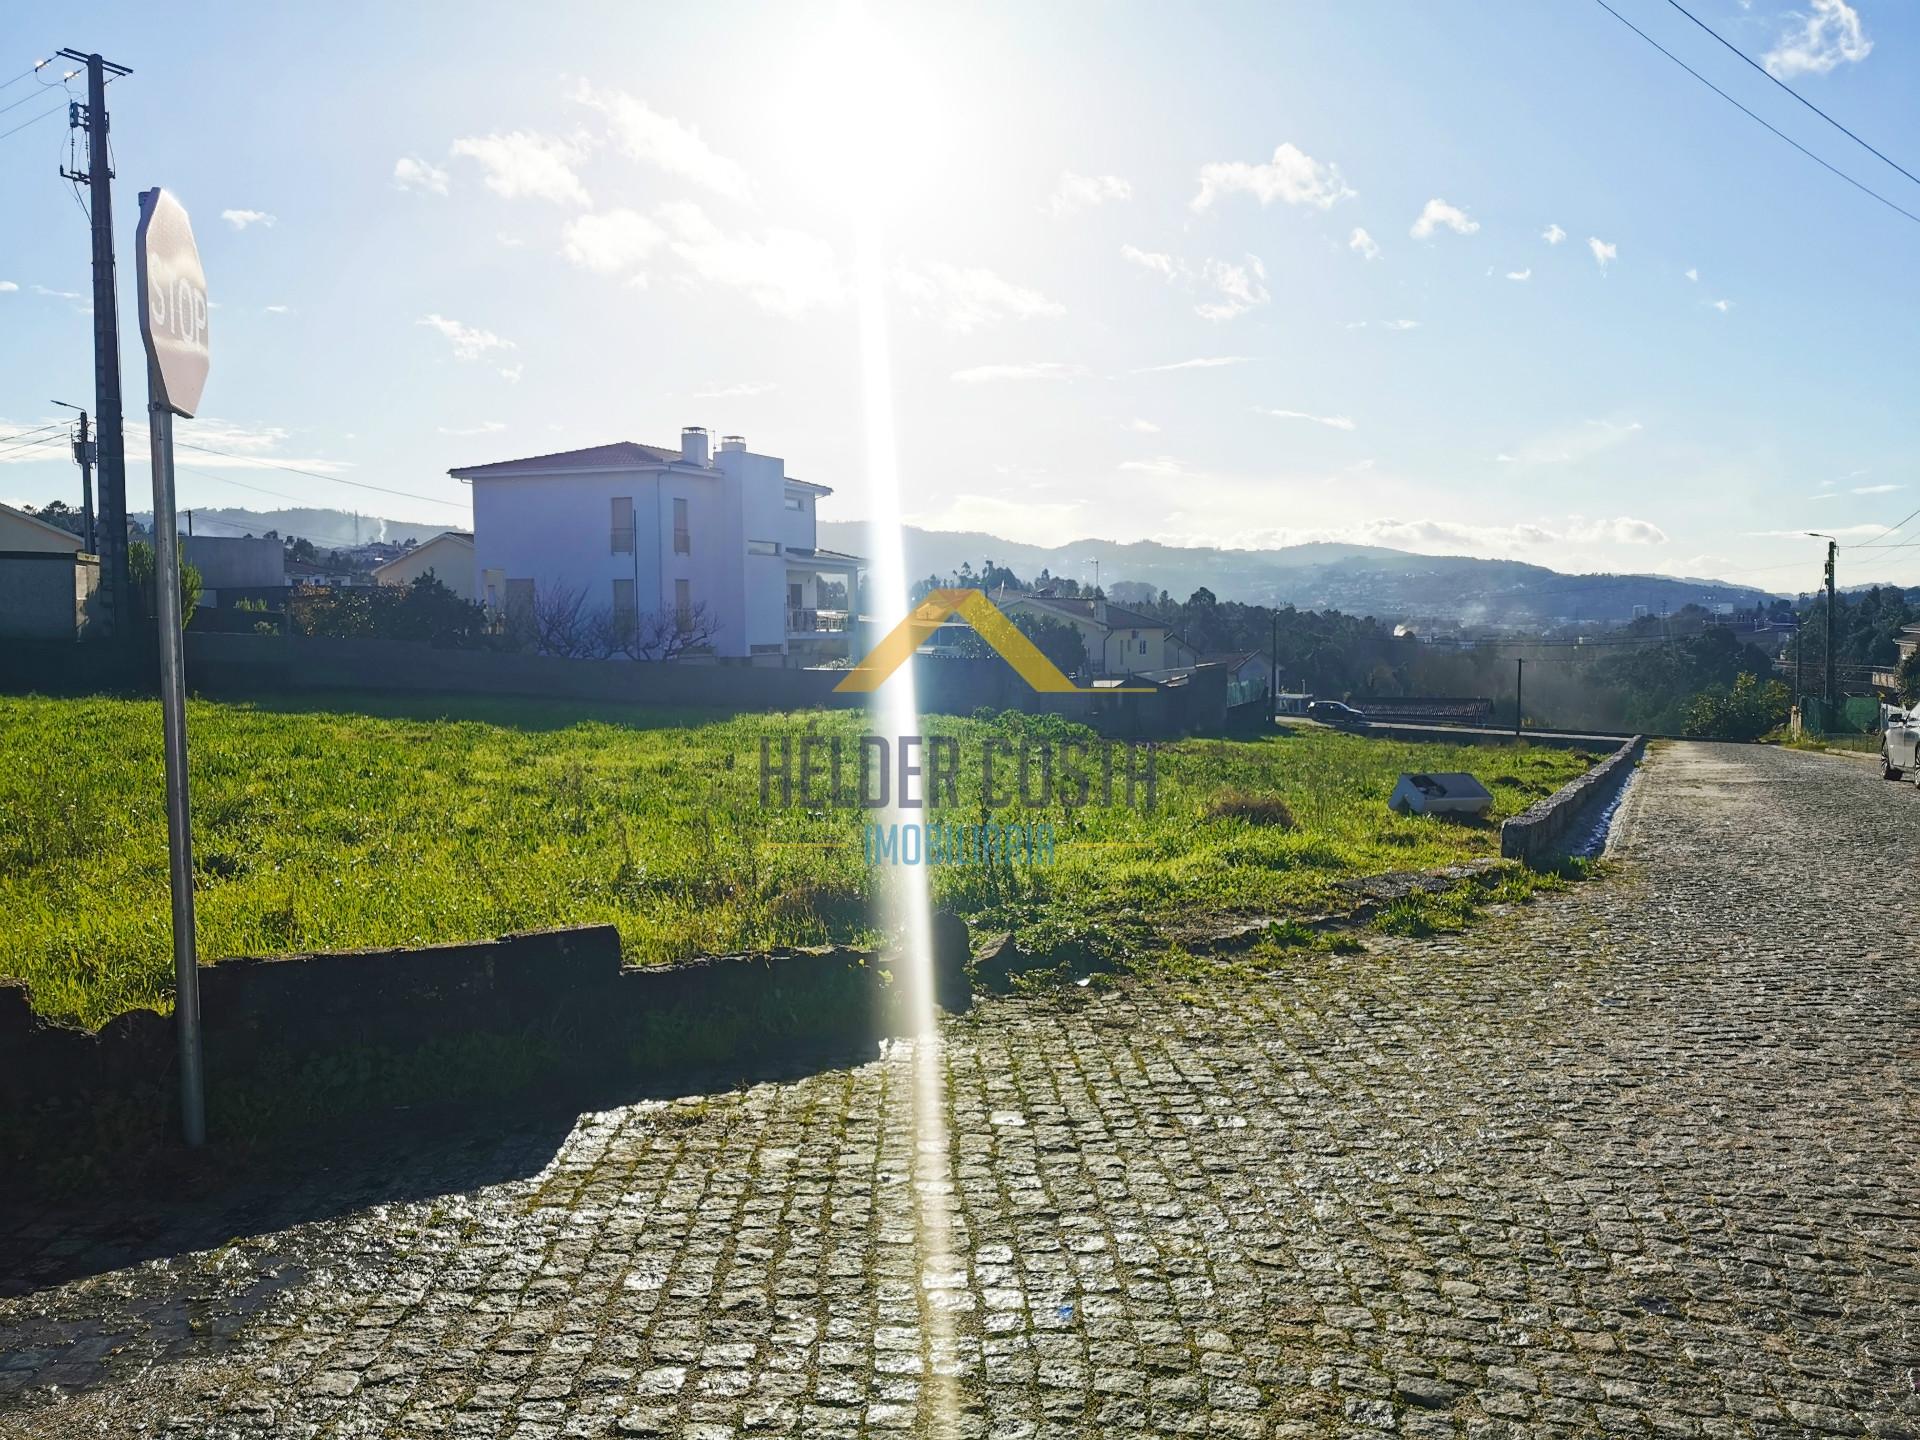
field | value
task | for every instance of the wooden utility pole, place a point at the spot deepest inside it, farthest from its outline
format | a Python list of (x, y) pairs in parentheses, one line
[(83, 455)]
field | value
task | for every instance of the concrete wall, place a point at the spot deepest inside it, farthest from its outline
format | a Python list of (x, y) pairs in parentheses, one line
[(48, 594)]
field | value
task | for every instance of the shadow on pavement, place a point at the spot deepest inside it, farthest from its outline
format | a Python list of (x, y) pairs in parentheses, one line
[(202, 1202)]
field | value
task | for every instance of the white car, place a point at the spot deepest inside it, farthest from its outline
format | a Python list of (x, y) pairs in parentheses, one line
[(1900, 745)]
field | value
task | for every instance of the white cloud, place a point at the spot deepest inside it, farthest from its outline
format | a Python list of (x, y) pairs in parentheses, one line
[(1077, 192), (1875, 489), (1290, 176), (1240, 288), (1165, 266), (964, 299), (241, 219), (1332, 422), (788, 271), (1203, 362), (485, 427), (410, 172), (1142, 427), (512, 373), (1400, 324), (277, 309), (669, 144), (1452, 536), (1721, 305), (1363, 243), (1694, 275), (1571, 443), (1819, 42), (744, 390), (1439, 214), (1603, 253), (1526, 274), (1023, 370), (539, 167), (611, 242), (1838, 532), (58, 294), (7, 287), (468, 342), (1553, 234)]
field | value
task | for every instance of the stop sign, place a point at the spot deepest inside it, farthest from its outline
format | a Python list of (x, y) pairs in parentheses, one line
[(173, 302)]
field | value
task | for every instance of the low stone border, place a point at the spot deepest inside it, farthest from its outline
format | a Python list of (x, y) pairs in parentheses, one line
[(317, 1036), (1535, 835)]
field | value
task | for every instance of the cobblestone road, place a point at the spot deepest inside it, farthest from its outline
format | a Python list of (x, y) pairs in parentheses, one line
[(1639, 1159)]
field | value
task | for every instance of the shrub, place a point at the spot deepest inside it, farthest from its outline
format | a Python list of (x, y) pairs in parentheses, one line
[(1253, 806)]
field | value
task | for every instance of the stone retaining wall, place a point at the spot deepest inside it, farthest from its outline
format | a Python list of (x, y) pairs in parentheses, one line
[(560, 998), (1538, 834)]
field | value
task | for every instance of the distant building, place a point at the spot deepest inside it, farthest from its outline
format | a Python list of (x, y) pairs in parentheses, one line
[(21, 533), (448, 557), (235, 567), (1119, 641), (642, 530), (48, 585)]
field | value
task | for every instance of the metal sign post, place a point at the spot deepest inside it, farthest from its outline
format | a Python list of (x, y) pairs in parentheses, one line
[(173, 323)]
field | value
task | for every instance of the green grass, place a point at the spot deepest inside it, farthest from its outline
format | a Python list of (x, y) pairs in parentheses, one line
[(373, 822)]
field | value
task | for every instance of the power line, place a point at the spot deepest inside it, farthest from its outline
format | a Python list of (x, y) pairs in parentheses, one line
[(1865, 190), (1793, 92), (36, 119), (32, 69), (316, 475)]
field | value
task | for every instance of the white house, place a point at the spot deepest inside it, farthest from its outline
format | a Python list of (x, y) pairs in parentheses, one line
[(448, 557), (1119, 641), (641, 530)]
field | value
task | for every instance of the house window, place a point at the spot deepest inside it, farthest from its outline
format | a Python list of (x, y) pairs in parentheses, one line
[(794, 502), (763, 547), (626, 612), (623, 525), (682, 541), (1143, 644), (794, 592), (683, 599)]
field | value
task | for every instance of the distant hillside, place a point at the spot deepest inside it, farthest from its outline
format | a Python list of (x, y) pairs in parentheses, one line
[(325, 528), (1358, 579)]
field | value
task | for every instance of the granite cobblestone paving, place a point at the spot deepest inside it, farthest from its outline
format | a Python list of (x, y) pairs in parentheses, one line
[(1638, 1159)]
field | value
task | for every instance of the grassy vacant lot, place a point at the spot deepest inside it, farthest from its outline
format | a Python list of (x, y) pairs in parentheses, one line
[(381, 822)]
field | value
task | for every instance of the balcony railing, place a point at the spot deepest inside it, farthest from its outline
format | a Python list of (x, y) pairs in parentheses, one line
[(810, 622)]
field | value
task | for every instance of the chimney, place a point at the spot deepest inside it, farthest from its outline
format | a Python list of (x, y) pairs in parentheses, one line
[(733, 442), (693, 444), (1100, 610)]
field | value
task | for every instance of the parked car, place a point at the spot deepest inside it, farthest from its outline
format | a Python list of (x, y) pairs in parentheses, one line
[(1900, 746), (1335, 712)]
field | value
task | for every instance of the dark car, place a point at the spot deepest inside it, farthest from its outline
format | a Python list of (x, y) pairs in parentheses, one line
[(1335, 712)]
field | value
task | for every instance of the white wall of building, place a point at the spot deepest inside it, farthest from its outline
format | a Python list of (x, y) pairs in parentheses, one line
[(555, 528)]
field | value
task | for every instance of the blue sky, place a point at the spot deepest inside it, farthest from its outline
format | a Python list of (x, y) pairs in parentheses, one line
[(496, 231)]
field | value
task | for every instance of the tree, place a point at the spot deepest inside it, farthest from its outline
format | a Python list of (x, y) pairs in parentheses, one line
[(662, 634), (1908, 676), (61, 514), (1056, 639), (425, 611), (142, 568), (1746, 712)]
